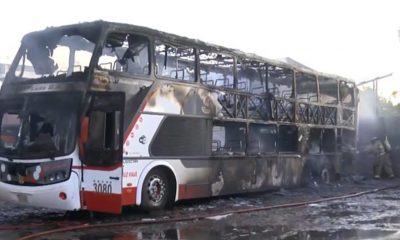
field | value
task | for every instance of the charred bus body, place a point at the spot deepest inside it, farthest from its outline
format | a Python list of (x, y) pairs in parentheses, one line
[(120, 115)]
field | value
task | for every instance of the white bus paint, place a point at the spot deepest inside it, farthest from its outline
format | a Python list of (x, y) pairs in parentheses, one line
[(139, 139), (45, 196)]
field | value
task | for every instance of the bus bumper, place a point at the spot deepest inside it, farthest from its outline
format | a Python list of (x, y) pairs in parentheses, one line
[(49, 196)]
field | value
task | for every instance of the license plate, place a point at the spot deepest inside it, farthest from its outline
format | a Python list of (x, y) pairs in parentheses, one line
[(22, 198)]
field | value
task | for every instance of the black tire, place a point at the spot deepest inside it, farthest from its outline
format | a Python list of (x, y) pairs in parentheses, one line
[(317, 169), (156, 191), (326, 175), (327, 172)]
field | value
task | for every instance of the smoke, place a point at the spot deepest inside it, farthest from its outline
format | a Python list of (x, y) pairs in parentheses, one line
[(368, 105)]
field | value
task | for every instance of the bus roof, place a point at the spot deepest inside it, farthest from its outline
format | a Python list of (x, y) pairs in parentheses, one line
[(187, 41)]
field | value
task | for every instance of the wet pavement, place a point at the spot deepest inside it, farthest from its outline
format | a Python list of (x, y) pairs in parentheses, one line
[(371, 216)]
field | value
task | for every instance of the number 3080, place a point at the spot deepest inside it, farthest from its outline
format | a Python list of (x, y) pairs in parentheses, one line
[(102, 187)]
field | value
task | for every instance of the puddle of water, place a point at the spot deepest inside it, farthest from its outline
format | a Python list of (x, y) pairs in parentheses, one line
[(366, 217), (229, 233)]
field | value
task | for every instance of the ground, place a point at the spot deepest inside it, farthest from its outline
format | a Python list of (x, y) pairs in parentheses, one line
[(370, 216)]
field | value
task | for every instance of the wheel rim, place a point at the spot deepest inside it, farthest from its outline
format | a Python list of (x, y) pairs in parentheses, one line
[(156, 189)]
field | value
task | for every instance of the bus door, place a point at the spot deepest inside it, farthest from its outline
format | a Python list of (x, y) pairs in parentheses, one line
[(101, 152)]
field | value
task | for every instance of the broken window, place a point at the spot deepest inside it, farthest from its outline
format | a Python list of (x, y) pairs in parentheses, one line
[(175, 62), (103, 139), (321, 141), (216, 69), (280, 82), (10, 124), (104, 130), (251, 76), (346, 91), (229, 138), (346, 140), (306, 87), (287, 139), (39, 125), (101, 135), (314, 141), (328, 141), (328, 90), (124, 52), (54, 54), (262, 139)]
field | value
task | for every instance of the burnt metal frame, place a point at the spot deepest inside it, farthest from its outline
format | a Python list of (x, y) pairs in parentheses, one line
[(241, 100), (348, 117), (309, 113), (257, 106), (281, 108), (329, 115)]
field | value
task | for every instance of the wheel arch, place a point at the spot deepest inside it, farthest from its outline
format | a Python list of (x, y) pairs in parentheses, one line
[(147, 169)]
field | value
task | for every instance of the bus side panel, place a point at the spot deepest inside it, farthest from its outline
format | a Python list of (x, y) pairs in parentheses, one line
[(203, 178), (198, 178), (132, 170), (195, 177), (129, 181), (255, 174), (141, 135), (101, 188)]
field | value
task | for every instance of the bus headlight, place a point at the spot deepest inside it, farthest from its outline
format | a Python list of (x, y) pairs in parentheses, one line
[(35, 173)]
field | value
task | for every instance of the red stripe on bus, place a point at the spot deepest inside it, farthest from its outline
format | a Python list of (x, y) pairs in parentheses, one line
[(110, 168), (103, 202), (193, 191), (126, 236), (188, 233), (129, 196), (131, 126), (134, 121)]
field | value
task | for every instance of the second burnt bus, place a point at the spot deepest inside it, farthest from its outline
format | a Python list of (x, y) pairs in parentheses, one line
[(117, 115)]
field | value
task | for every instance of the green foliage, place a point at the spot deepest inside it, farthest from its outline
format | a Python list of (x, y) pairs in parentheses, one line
[(387, 108)]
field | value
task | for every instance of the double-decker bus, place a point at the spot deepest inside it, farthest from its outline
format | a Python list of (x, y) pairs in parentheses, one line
[(117, 115)]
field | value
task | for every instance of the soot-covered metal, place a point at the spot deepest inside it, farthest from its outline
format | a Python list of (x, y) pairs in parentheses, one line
[(216, 120)]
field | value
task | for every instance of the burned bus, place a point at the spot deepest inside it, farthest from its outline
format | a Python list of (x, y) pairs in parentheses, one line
[(117, 115)]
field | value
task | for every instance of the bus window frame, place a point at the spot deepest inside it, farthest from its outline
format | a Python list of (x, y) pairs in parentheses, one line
[(322, 78), (275, 138), (279, 141), (236, 127), (234, 68), (95, 107), (102, 45), (176, 45), (261, 64), (296, 79), (293, 95), (353, 94)]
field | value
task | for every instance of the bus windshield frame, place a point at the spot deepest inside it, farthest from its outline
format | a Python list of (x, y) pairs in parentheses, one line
[(56, 54), (39, 125)]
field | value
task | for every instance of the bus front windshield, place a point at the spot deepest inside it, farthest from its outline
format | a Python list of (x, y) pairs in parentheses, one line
[(38, 126), (55, 53)]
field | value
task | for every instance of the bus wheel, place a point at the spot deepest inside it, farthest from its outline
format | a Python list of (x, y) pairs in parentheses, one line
[(325, 176), (156, 190)]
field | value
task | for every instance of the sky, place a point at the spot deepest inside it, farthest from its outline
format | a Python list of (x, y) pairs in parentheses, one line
[(355, 39)]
